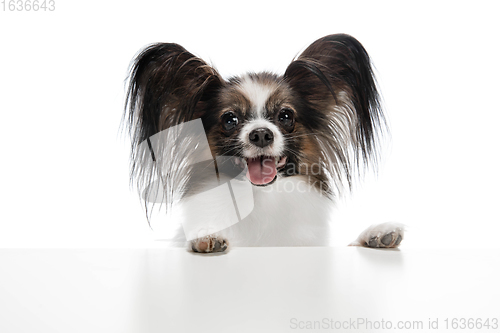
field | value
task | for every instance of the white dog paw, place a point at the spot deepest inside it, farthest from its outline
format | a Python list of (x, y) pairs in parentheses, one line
[(385, 235), (209, 244)]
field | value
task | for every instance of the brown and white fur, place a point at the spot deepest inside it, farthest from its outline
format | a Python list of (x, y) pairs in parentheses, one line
[(301, 137)]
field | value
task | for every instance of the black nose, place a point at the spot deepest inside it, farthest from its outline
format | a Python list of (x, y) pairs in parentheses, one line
[(261, 137)]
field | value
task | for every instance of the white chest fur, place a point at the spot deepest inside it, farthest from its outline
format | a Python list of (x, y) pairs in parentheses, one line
[(286, 213)]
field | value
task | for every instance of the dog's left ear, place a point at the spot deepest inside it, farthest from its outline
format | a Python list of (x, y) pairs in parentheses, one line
[(335, 73), (167, 86)]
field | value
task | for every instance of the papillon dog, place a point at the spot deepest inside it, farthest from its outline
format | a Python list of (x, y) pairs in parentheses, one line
[(297, 140)]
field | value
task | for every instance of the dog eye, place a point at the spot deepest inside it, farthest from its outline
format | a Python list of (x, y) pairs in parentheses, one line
[(229, 121), (285, 117)]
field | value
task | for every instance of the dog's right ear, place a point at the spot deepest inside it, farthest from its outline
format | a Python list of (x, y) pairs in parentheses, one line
[(167, 86)]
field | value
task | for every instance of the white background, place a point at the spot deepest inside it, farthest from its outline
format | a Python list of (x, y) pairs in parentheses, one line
[(64, 165)]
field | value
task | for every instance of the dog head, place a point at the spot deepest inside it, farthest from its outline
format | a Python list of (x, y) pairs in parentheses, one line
[(320, 118)]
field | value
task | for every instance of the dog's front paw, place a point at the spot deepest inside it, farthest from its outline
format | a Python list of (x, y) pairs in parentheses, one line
[(385, 235), (209, 244)]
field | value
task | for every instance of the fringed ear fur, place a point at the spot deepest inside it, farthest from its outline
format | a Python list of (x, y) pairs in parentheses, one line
[(338, 65), (334, 79), (166, 84)]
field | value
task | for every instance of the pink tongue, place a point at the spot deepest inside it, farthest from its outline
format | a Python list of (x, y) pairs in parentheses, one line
[(261, 170)]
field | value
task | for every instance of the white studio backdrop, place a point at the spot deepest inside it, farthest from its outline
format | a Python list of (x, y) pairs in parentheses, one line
[(64, 167)]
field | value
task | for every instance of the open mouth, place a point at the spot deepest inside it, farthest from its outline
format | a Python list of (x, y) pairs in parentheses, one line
[(262, 170)]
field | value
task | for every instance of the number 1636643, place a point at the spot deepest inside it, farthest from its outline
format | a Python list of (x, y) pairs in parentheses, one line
[(28, 5)]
